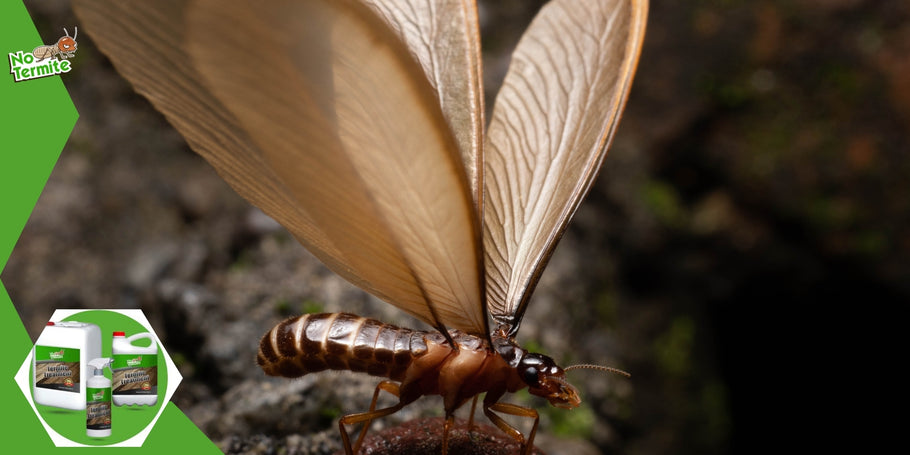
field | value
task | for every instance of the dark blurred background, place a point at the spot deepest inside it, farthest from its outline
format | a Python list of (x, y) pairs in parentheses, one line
[(751, 218)]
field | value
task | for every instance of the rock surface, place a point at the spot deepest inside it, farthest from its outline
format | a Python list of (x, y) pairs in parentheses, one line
[(424, 436)]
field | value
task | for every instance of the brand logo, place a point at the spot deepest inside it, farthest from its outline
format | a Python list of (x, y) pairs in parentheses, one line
[(134, 362), (24, 65), (98, 396), (57, 355)]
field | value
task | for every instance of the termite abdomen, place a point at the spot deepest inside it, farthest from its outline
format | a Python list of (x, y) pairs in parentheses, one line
[(43, 52), (339, 341)]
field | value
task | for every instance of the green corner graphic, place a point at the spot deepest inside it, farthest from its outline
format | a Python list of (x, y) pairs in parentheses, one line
[(37, 118), (19, 423)]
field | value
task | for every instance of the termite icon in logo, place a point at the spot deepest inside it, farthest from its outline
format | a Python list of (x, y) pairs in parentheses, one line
[(64, 48)]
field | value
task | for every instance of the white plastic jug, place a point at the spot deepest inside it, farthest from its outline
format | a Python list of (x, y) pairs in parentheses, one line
[(135, 370), (59, 363)]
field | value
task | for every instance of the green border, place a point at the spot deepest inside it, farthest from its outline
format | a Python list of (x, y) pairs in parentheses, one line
[(36, 120)]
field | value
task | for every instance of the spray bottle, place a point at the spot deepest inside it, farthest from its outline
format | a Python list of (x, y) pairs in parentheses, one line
[(98, 399)]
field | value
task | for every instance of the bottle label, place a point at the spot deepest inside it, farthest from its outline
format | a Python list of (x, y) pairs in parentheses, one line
[(97, 408), (135, 374), (57, 368)]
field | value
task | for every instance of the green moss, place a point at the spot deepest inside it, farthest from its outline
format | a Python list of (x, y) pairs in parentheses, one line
[(242, 263), (282, 306), (769, 143), (567, 423), (285, 307), (311, 306), (664, 202), (605, 305), (870, 242), (844, 82), (674, 347), (727, 93), (178, 358), (571, 423), (330, 413), (532, 345), (831, 213), (284, 238), (715, 419), (721, 3)]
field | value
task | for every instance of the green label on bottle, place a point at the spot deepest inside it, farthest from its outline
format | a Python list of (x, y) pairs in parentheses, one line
[(98, 408), (135, 374), (57, 368)]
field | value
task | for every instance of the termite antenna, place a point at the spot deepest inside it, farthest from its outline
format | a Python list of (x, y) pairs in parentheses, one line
[(597, 367), (75, 32), (66, 32)]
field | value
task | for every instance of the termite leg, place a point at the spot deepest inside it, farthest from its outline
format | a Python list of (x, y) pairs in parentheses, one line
[(367, 417), (389, 387), (450, 420), (473, 407), (515, 410)]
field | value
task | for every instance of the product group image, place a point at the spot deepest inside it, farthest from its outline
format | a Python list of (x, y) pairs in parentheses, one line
[(83, 373)]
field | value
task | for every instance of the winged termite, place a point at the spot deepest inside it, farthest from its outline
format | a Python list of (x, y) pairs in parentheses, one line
[(359, 126)]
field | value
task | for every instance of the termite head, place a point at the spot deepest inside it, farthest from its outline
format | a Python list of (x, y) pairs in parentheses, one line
[(67, 43), (548, 380)]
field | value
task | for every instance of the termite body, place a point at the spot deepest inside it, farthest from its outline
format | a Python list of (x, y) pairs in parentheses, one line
[(65, 47), (416, 363)]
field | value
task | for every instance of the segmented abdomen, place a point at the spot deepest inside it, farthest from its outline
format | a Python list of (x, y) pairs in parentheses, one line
[(339, 341), (43, 52)]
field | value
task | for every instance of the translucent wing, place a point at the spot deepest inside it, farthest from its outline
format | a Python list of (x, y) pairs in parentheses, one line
[(552, 123), (317, 113), (444, 36)]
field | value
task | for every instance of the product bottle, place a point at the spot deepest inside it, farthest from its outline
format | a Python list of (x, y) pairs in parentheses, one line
[(135, 370), (59, 363), (98, 400)]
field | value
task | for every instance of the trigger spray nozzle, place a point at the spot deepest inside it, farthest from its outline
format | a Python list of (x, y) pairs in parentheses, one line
[(99, 364)]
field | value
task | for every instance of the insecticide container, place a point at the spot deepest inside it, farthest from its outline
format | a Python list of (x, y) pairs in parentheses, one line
[(135, 370), (98, 400), (59, 359)]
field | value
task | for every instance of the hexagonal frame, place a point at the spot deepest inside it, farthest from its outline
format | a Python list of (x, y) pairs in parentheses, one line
[(23, 379)]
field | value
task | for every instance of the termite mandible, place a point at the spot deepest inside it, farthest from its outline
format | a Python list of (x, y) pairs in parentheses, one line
[(359, 126)]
